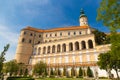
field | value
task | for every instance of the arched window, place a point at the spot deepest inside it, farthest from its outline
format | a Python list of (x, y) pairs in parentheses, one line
[(44, 50), (53, 49), (34, 52), (58, 48), (70, 46), (23, 40), (76, 45), (83, 45), (48, 51), (90, 43), (64, 48), (39, 50)]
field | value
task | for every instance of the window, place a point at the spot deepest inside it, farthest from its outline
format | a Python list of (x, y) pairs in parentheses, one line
[(48, 51), (80, 32), (70, 46), (74, 33), (90, 43), (76, 45), (39, 50), (60, 33), (38, 42), (46, 35), (44, 50), (64, 48), (55, 34), (83, 45), (39, 36), (53, 49), (30, 41), (58, 48), (68, 33), (31, 34), (50, 35), (23, 40), (24, 33)]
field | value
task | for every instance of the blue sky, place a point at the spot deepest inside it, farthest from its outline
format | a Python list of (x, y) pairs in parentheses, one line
[(43, 14)]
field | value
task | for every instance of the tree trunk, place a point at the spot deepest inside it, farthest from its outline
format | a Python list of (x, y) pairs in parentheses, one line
[(117, 74)]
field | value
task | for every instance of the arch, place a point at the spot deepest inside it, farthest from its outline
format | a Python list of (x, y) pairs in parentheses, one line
[(34, 52), (44, 50), (48, 50), (83, 45), (58, 48), (39, 50), (71, 46), (23, 40), (77, 45), (64, 47), (53, 49), (90, 43)]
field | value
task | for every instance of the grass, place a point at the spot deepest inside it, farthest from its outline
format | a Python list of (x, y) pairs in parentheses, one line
[(66, 79), (59, 79)]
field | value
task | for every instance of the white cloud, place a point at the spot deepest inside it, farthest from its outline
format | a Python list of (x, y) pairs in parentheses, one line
[(9, 35)]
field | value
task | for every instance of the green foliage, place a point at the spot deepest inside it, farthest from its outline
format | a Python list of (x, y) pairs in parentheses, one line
[(19, 78), (26, 72), (39, 68), (72, 72), (104, 60), (51, 71), (109, 14), (80, 72), (64, 71), (11, 67), (89, 72), (101, 37), (2, 56), (59, 73)]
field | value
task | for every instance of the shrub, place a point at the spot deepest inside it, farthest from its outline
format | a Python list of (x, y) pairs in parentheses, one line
[(89, 72), (20, 78)]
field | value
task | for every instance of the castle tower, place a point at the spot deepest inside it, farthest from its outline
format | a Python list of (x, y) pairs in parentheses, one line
[(27, 39), (83, 18), (84, 21)]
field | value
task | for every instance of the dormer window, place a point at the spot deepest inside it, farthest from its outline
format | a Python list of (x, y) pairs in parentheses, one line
[(31, 34), (24, 33), (55, 34), (74, 33), (68, 33)]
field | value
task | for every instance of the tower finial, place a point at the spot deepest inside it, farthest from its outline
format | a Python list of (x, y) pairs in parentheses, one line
[(81, 11), (82, 14)]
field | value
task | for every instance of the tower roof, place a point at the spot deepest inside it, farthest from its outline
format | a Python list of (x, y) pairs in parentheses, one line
[(82, 14)]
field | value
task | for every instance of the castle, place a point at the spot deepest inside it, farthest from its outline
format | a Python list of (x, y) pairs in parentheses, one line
[(61, 47)]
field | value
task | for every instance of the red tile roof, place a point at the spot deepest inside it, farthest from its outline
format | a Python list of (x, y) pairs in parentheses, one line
[(56, 29)]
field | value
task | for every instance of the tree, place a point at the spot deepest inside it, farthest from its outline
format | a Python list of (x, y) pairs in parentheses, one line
[(11, 67), (64, 71), (51, 71), (72, 71), (2, 56), (39, 68), (80, 72), (26, 72), (89, 72), (59, 73), (101, 37), (104, 62), (109, 14)]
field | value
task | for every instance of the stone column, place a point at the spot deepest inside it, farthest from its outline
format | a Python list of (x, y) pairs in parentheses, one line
[(67, 47), (87, 46)]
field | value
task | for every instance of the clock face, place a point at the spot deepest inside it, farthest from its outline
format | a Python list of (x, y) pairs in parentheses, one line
[(83, 19)]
